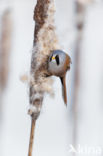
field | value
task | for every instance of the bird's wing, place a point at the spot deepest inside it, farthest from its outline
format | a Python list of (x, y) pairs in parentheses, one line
[(64, 94)]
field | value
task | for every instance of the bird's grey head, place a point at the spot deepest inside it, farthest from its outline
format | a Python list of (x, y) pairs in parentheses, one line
[(57, 57), (56, 61)]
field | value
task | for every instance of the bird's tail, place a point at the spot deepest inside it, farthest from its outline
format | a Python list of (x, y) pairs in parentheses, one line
[(64, 94)]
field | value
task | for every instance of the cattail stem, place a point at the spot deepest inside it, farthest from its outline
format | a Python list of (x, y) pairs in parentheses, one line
[(5, 49), (33, 124), (80, 13)]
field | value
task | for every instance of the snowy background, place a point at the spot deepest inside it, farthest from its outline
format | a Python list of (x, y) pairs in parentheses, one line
[(81, 124)]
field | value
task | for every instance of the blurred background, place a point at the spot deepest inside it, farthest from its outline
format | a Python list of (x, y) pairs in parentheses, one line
[(72, 131)]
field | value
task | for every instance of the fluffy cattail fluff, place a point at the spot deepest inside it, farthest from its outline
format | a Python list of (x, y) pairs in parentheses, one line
[(45, 41)]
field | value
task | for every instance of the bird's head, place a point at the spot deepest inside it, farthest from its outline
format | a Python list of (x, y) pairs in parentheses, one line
[(55, 58), (58, 62)]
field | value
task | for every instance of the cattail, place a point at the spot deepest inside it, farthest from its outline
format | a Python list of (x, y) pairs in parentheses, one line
[(45, 40), (5, 47), (80, 21)]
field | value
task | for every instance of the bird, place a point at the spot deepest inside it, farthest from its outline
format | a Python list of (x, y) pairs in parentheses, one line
[(58, 65)]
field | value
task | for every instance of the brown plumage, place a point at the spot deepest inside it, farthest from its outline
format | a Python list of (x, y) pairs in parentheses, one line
[(64, 92), (58, 64)]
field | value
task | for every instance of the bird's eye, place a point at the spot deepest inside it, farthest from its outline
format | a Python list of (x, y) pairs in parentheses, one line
[(53, 58), (57, 60)]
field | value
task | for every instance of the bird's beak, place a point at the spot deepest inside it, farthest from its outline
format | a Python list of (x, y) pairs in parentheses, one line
[(53, 58)]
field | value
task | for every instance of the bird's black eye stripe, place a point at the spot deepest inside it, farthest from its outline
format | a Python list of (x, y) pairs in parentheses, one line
[(51, 58), (57, 60)]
